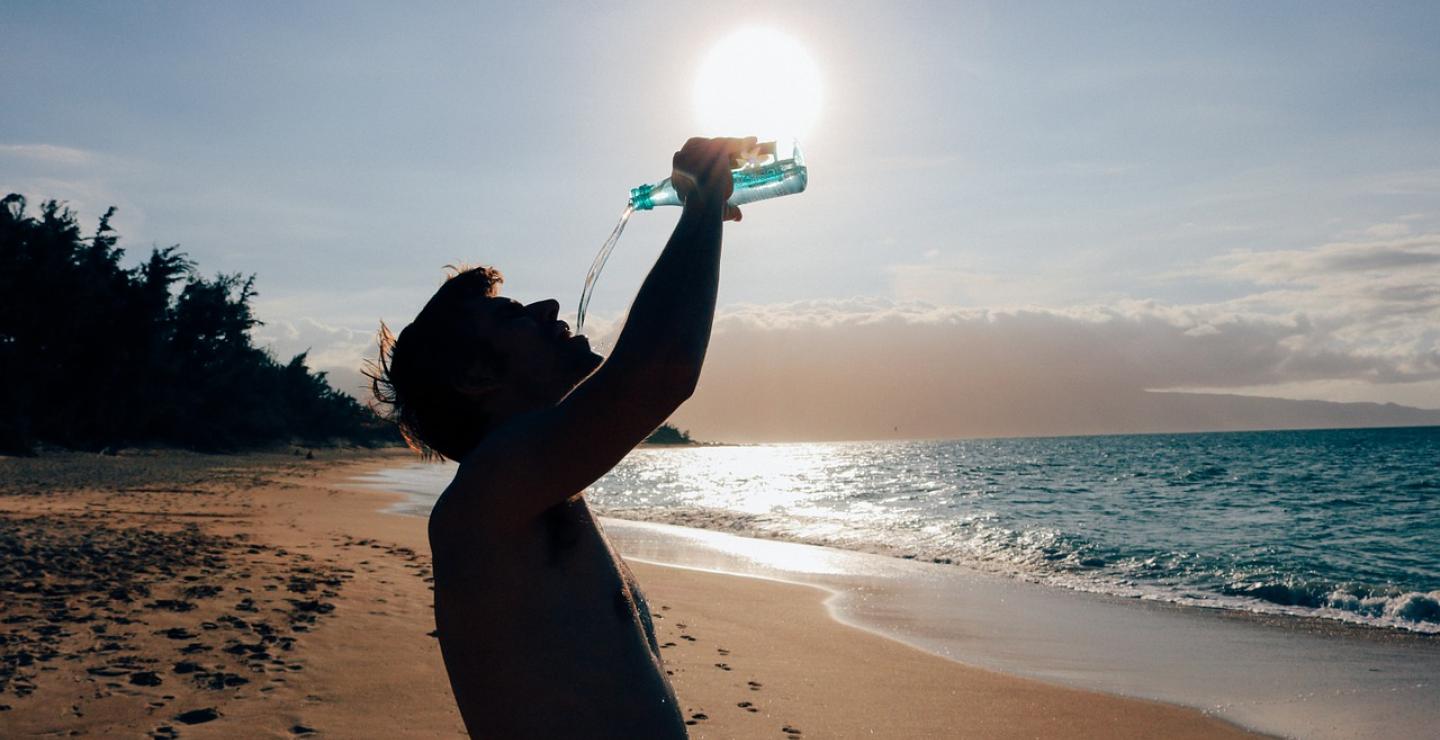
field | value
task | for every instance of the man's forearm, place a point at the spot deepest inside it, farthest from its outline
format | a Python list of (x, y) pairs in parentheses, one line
[(669, 323)]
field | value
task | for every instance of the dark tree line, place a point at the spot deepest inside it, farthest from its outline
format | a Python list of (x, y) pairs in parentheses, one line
[(669, 435), (94, 355)]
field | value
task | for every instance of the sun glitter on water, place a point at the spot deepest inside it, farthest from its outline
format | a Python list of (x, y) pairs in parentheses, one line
[(760, 82)]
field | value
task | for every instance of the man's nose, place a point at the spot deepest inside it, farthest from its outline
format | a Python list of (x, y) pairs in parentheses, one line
[(546, 310)]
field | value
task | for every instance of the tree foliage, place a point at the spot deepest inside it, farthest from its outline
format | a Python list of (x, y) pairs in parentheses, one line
[(96, 355), (669, 435)]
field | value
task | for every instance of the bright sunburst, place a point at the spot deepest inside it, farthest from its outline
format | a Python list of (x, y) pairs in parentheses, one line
[(758, 81)]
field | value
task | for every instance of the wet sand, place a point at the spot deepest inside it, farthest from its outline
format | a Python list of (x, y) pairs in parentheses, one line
[(173, 594)]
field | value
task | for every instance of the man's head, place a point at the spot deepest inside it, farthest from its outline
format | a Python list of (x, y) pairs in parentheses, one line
[(471, 360)]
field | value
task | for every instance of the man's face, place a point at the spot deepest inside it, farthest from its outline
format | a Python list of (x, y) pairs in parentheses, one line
[(542, 361)]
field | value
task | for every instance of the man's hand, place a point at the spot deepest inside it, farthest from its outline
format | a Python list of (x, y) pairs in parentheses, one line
[(701, 173)]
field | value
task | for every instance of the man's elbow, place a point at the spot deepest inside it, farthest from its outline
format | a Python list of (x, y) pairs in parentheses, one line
[(675, 384)]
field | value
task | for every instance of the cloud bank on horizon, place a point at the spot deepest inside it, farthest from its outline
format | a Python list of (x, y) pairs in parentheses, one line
[(1349, 320)]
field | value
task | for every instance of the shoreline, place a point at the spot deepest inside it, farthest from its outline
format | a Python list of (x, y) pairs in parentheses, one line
[(1319, 621), (1400, 611), (1261, 674)]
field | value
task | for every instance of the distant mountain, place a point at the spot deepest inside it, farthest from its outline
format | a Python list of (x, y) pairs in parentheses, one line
[(1218, 412), (1023, 410)]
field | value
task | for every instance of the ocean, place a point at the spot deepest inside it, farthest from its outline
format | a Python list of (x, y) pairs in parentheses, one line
[(1336, 524)]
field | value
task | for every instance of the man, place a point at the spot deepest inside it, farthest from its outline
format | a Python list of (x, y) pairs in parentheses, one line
[(544, 630)]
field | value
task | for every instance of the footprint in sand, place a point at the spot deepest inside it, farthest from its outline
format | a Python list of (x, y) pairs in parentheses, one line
[(198, 716), (145, 678), (722, 666), (754, 685), (791, 732), (747, 706)]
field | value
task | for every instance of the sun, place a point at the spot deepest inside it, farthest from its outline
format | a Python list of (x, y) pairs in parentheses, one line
[(760, 82)]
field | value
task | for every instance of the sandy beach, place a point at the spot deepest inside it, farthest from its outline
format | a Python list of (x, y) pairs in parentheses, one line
[(173, 594)]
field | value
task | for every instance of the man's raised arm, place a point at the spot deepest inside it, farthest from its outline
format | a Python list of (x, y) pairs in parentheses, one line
[(539, 459)]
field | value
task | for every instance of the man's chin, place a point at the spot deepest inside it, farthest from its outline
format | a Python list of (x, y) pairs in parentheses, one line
[(590, 361), (585, 360)]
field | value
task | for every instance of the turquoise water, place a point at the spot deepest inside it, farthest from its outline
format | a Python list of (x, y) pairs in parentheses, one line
[(1340, 524)]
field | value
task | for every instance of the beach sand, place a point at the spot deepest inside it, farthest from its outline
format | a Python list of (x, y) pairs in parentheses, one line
[(173, 594)]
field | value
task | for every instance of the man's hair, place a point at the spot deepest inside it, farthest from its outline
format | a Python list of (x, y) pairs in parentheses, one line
[(414, 380)]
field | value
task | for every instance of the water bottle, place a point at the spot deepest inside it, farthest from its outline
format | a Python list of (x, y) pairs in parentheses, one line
[(758, 179)]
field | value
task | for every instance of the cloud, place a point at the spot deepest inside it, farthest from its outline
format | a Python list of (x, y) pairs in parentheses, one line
[(1388, 231), (1379, 299), (1137, 344), (865, 369), (83, 180), (1342, 317), (1380, 258), (337, 350), (1350, 315), (47, 154)]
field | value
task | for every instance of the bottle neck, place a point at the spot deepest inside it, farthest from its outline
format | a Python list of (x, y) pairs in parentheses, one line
[(647, 197), (640, 199)]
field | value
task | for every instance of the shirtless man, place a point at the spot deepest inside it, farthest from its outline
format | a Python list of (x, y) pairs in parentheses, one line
[(544, 630)]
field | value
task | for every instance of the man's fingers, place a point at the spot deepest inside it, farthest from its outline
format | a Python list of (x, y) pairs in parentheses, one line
[(704, 165), (737, 147)]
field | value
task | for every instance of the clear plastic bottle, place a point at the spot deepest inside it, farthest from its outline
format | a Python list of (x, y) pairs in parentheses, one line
[(758, 179)]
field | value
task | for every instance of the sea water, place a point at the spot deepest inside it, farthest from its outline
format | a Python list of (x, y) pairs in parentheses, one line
[(1339, 524)]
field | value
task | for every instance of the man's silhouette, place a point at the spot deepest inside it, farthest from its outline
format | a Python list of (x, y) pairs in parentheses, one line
[(544, 630)]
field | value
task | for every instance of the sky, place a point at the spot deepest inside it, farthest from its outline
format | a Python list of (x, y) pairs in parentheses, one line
[(1024, 201)]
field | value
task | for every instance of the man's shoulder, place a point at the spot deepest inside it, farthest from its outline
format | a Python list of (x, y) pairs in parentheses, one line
[(460, 512), (475, 505)]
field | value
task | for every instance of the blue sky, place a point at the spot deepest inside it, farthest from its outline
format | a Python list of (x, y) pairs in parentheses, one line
[(1210, 166)]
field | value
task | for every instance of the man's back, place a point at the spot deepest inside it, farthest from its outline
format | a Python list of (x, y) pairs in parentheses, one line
[(551, 631)]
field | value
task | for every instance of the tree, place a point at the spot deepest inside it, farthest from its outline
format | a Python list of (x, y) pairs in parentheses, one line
[(94, 355), (669, 435)]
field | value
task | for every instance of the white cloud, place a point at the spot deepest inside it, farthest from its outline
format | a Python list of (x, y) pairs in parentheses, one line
[(337, 350), (1388, 231), (1380, 258), (47, 154), (865, 369), (1348, 319), (1379, 299), (1343, 321)]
